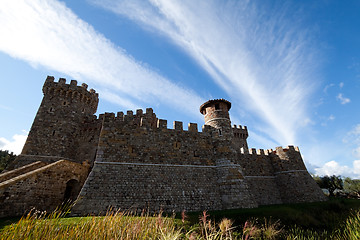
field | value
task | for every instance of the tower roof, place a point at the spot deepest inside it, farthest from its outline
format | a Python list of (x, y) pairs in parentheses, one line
[(214, 101)]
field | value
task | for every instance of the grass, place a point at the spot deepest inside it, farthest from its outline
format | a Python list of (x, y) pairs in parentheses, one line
[(316, 216), (295, 221), (115, 225)]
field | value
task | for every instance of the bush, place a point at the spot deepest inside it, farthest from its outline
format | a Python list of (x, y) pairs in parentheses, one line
[(5, 159)]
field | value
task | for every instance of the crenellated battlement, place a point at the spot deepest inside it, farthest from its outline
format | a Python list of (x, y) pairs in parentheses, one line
[(154, 166), (254, 151), (286, 150), (286, 159), (280, 151), (240, 131), (149, 119), (71, 92), (239, 127)]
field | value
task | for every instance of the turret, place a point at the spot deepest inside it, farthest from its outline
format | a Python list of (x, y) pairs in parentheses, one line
[(216, 114), (60, 118), (240, 136)]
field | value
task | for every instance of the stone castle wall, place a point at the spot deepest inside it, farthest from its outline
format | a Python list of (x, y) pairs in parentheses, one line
[(136, 162), (259, 173), (124, 139), (153, 187), (44, 188), (140, 165), (65, 126)]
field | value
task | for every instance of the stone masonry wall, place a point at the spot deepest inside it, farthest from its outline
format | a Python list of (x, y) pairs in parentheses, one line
[(259, 174), (151, 187), (6, 175), (44, 188), (239, 178), (234, 189), (298, 186), (123, 140), (60, 118), (138, 163), (294, 182), (88, 140)]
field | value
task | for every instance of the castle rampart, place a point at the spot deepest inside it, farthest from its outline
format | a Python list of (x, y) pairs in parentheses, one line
[(64, 126), (137, 162)]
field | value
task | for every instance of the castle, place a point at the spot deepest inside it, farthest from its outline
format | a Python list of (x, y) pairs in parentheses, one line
[(133, 161)]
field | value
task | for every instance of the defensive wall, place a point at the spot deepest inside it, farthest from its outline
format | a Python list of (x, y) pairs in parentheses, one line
[(44, 188), (136, 162), (64, 127)]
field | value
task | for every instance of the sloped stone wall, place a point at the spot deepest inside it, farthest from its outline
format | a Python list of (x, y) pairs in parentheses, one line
[(43, 188), (151, 187), (264, 189), (298, 186), (19, 171), (259, 174)]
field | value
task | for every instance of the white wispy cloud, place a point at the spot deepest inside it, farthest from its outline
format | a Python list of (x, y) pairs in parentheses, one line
[(254, 55), (14, 145), (328, 119), (326, 88), (47, 33), (331, 118), (334, 168), (352, 138), (342, 99)]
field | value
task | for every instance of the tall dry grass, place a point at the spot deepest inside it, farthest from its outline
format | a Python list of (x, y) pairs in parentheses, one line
[(125, 225), (114, 225), (119, 225), (351, 229)]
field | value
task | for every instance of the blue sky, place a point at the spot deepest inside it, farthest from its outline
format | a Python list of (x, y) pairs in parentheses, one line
[(290, 68)]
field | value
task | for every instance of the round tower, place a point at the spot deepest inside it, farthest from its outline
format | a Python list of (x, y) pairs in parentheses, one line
[(59, 120), (216, 114)]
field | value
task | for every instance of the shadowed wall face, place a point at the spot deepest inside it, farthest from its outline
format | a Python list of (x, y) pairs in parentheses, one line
[(137, 162), (43, 188), (58, 128)]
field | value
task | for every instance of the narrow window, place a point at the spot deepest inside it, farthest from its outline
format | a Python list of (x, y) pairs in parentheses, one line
[(53, 133), (220, 133), (131, 149), (196, 154), (177, 145), (217, 107)]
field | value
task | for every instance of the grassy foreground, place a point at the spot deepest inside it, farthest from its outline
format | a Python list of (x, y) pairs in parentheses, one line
[(296, 221)]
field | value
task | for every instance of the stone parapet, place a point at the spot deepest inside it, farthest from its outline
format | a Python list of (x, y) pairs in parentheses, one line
[(71, 91), (137, 163)]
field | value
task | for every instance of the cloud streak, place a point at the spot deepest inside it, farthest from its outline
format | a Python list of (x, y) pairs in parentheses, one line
[(47, 33), (343, 100), (256, 57), (14, 145), (334, 168)]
